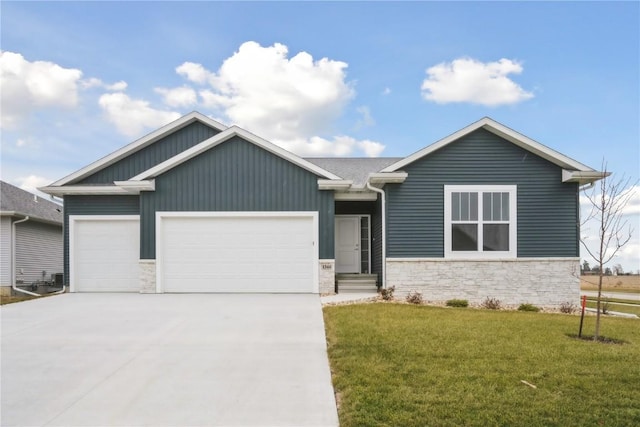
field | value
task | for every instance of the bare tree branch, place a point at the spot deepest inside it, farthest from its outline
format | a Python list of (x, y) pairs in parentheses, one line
[(608, 200)]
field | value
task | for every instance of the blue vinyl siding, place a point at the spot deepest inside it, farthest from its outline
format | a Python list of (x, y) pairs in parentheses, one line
[(153, 154), (237, 176), (94, 205), (548, 215)]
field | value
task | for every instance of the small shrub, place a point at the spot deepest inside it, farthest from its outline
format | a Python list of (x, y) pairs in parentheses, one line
[(567, 308), (528, 307), (604, 306), (491, 303), (457, 303), (387, 294), (414, 297)]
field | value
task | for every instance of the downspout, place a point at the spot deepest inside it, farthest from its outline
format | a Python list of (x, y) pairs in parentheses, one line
[(14, 286), (384, 232)]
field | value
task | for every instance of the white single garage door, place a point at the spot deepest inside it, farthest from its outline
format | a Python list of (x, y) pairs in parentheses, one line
[(104, 253), (237, 252)]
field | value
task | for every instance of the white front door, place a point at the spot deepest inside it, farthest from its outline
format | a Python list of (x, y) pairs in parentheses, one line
[(347, 240)]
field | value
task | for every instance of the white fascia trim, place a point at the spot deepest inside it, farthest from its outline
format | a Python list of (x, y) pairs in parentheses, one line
[(387, 178), (139, 144), (502, 131), (83, 190), (334, 184), (73, 220), (583, 177), (222, 137), (135, 187), (160, 215)]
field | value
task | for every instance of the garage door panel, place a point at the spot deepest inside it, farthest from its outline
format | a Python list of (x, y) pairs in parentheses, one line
[(238, 254), (105, 255)]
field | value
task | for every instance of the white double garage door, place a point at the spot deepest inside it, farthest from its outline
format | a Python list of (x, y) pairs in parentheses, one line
[(274, 252)]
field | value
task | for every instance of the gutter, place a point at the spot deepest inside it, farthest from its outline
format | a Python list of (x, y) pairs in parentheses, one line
[(384, 231)]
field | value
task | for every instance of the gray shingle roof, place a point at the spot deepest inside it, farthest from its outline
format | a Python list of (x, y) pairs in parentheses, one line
[(14, 199), (353, 168)]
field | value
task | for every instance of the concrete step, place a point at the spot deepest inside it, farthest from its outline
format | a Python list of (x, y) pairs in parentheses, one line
[(372, 291)]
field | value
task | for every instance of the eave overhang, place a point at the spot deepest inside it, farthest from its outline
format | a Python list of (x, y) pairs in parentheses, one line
[(335, 184), (583, 177), (381, 178), (119, 188)]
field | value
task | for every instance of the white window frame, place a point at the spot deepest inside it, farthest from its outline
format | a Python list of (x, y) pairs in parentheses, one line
[(513, 221)]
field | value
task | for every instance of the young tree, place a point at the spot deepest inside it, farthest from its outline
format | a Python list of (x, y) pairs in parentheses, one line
[(607, 199)]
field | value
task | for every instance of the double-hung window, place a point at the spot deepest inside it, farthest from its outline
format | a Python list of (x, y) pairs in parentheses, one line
[(480, 221)]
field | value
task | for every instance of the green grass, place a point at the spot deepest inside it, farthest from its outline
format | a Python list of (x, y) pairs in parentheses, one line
[(404, 365)]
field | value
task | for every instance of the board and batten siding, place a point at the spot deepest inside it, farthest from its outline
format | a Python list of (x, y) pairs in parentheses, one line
[(237, 176), (5, 251), (38, 251), (548, 209), (94, 205), (153, 154)]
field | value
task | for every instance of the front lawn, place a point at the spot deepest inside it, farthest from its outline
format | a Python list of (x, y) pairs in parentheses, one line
[(405, 365)]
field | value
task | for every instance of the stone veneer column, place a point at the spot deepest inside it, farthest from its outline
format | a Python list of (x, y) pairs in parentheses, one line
[(147, 276), (327, 276)]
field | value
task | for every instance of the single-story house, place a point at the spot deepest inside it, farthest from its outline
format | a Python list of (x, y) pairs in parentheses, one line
[(197, 206), (30, 239)]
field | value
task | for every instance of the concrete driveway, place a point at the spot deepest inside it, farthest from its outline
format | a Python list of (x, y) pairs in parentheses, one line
[(165, 360)]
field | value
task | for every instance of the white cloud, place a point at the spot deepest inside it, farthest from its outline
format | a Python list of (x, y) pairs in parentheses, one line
[(31, 183), (95, 82), (29, 86), (133, 116), (633, 205), (290, 101), (371, 148), (386, 91), (366, 119), (472, 81), (183, 96), (194, 72)]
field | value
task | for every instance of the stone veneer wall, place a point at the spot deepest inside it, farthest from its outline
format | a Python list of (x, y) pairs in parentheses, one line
[(147, 276), (538, 281), (327, 276)]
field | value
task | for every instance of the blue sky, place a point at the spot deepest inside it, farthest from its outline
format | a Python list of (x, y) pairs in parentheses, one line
[(82, 79)]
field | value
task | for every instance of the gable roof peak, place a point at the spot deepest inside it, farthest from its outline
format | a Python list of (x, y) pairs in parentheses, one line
[(502, 131), (140, 143)]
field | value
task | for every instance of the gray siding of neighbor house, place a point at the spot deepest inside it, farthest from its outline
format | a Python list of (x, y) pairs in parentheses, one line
[(38, 251), (548, 210), (237, 176), (5, 251), (153, 154), (94, 205)]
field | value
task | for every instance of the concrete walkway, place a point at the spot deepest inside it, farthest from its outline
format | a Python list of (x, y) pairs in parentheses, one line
[(165, 360)]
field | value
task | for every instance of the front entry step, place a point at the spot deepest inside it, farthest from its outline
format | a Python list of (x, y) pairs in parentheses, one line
[(357, 283)]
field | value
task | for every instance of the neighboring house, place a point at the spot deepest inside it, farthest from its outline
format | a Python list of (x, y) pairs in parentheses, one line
[(37, 241), (200, 207)]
